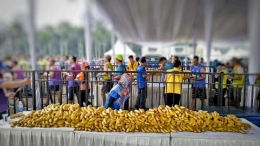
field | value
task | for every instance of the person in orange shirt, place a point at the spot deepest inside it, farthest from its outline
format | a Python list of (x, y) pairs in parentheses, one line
[(81, 77)]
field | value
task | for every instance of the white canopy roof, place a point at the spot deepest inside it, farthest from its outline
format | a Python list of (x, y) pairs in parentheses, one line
[(119, 49), (155, 22)]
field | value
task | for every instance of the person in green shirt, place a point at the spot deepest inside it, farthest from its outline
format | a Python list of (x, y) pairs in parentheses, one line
[(107, 82)]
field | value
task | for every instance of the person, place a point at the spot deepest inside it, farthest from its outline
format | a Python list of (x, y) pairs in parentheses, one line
[(54, 81), (164, 66), (198, 82), (202, 61), (107, 82), (132, 65), (141, 76), (238, 81), (137, 60), (8, 85), (66, 62), (224, 76), (42, 63), (173, 80), (73, 86), (120, 69), (18, 75), (81, 77), (175, 58), (120, 93)]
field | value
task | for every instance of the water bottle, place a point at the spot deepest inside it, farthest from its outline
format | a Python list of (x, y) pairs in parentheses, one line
[(20, 107)]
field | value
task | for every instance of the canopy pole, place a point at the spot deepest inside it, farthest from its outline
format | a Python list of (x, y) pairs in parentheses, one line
[(87, 32), (31, 33), (124, 52), (254, 36), (195, 41), (209, 11), (113, 46)]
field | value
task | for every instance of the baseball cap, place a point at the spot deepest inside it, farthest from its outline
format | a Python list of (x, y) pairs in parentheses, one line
[(119, 57)]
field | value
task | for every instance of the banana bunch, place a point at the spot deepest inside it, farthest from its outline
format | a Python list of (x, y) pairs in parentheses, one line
[(18, 115), (162, 119)]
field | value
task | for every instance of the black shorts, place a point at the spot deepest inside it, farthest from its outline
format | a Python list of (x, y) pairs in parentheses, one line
[(107, 86), (54, 87), (83, 97), (73, 90), (172, 99), (199, 93)]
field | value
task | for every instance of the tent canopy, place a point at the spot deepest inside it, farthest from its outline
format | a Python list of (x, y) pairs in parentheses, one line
[(168, 21), (119, 49)]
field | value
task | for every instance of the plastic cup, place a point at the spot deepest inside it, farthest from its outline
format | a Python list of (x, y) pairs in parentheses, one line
[(5, 116)]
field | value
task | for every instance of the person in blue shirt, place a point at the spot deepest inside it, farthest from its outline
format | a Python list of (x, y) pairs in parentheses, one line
[(120, 93), (164, 66), (120, 69), (141, 76), (198, 82)]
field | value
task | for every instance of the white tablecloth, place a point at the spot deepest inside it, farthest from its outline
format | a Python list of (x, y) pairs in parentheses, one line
[(252, 138), (22, 136), (69, 137), (83, 138)]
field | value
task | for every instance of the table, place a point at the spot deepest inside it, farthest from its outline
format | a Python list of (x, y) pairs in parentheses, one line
[(83, 138), (69, 137), (35, 136), (252, 138)]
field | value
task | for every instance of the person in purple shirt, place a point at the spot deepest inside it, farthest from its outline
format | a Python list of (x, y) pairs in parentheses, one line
[(73, 86), (54, 77), (8, 85), (18, 76)]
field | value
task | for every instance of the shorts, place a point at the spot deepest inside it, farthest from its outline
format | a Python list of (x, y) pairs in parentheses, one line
[(83, 96), (199, 93), (73, 90), (107, 86), (237, 92), (172, 99), (54, 87)]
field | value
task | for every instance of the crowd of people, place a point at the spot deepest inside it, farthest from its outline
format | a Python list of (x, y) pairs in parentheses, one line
[(117, 80)]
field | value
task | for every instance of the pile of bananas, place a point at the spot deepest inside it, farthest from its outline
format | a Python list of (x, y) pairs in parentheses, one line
[(162, 119)]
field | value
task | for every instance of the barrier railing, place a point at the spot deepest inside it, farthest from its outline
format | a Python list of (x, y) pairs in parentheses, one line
[(213, 89)]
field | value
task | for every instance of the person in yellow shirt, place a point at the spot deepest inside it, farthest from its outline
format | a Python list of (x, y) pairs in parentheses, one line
[(224, 76), (132, 65), (173, 88), (238, 81)]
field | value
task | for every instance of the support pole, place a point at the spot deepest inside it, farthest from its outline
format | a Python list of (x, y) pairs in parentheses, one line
[(87, 32), (113, 46), (209, 11), (31, 33), (124, 52), (254, 36), (195, 41)]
